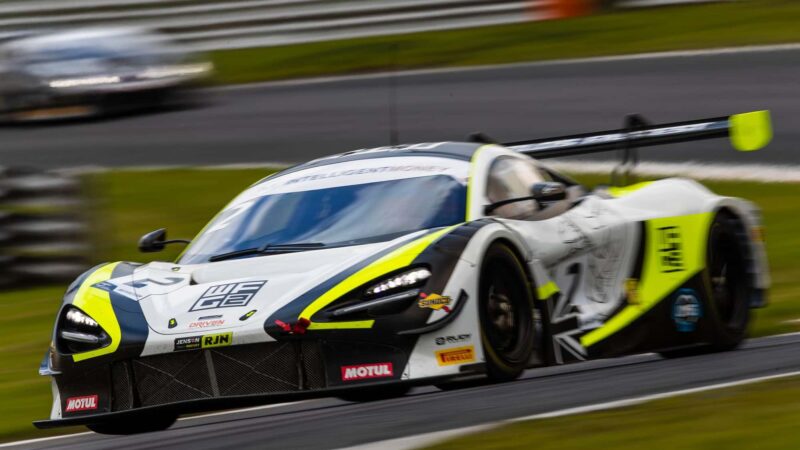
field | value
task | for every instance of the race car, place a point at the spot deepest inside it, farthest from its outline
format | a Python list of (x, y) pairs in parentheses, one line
[(93, 71), (362, 274)]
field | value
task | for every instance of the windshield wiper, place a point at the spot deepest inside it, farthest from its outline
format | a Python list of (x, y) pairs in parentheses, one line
[(269, 249)]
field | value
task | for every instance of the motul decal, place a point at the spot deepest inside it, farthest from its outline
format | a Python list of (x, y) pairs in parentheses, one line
[(85, 403), (367, 371)]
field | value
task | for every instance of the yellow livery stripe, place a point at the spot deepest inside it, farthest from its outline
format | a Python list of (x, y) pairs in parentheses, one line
[(547, 290), (471, 179), (395, 260), (97, 304), (622, 191)]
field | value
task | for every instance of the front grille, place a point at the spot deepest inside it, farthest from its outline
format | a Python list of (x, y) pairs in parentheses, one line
[(240, 370), (220, 372), (122, 396)]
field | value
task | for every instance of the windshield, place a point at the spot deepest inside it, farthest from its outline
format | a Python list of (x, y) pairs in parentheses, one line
[(339, 216)]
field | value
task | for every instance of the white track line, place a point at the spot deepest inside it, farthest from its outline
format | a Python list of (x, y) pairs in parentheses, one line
[(201, 416), (427, 439), (39, 440), (237, 411), (478, 427), (520, 65)]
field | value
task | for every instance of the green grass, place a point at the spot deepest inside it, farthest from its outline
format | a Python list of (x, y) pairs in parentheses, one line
[(129, 204), (760, 416), (659, 29)]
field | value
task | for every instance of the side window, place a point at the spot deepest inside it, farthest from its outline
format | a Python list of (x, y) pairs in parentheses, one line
[(512, 178)]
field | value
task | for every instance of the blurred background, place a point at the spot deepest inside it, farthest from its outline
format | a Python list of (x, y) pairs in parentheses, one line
[(118, 117)]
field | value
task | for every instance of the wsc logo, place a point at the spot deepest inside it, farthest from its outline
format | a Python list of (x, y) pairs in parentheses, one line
[(228, 295)]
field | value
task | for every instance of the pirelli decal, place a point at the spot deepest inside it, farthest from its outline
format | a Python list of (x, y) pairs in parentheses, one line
[(458, 355)]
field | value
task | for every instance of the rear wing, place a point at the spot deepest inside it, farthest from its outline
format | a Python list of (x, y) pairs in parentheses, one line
[(747, 132)]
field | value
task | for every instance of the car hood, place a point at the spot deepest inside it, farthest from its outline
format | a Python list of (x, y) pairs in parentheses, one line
[(178, 299)]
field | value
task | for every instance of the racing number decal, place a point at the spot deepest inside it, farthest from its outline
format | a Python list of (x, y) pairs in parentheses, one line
[(564, 320)]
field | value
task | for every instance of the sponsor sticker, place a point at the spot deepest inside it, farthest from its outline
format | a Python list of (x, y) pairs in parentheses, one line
[(206, 341), (207, 323), (434, 301), (83, 403), (670, 249), (367, 371), (460, 355), (457, 339), (686, 310), (229, 295), (632, 291)]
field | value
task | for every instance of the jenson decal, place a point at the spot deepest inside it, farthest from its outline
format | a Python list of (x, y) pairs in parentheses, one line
[(367, 371), (85, 403)]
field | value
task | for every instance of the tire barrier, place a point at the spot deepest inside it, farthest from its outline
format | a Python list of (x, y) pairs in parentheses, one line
[(44, 236)]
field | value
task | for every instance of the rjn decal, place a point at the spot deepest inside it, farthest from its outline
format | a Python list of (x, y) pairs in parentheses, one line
[(207, 341), (670, 249), (228, 295)]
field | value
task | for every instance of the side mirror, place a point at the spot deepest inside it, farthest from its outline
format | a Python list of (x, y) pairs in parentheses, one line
[(155, 241), (549, 191)]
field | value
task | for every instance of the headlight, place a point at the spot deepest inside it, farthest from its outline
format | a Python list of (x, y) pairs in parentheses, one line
[(76, 317), (88, 81), (77, 332), (408, 279)]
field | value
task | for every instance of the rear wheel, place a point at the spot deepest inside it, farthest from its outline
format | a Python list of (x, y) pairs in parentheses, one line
[(142, 424), (506, 314), (729, 286)]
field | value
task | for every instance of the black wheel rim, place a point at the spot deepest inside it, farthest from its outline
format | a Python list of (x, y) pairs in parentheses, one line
[(728, 279), (503, 315)]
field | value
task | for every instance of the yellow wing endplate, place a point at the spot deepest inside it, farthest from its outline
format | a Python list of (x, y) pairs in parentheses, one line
[(750, 131)]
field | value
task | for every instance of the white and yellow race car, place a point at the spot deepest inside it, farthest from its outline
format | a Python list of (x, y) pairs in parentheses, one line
[(362, 274)]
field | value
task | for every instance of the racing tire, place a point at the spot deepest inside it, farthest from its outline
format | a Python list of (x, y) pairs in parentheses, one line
[(373, 394), (729, 286), (505, 310), (144, 424)]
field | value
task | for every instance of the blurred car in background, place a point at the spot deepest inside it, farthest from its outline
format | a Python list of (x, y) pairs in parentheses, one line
[(91, 72)]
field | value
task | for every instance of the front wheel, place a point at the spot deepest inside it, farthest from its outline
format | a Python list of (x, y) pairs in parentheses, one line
[(156, 422), (506, 314)]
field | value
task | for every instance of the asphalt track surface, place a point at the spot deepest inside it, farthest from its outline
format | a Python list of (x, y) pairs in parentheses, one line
[(297, 122), (330, 423)]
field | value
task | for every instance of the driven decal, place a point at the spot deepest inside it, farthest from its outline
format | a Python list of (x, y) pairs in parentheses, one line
[(229, 295), (670, 249), (367, 371), (84, 403), (434, 301), (207, 323), (460, 355)]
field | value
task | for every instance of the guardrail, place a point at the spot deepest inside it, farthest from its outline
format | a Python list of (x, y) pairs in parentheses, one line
[(42, 236), (225, 24)]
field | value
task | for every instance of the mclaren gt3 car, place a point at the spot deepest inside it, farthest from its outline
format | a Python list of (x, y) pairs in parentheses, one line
[(361, 274)]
